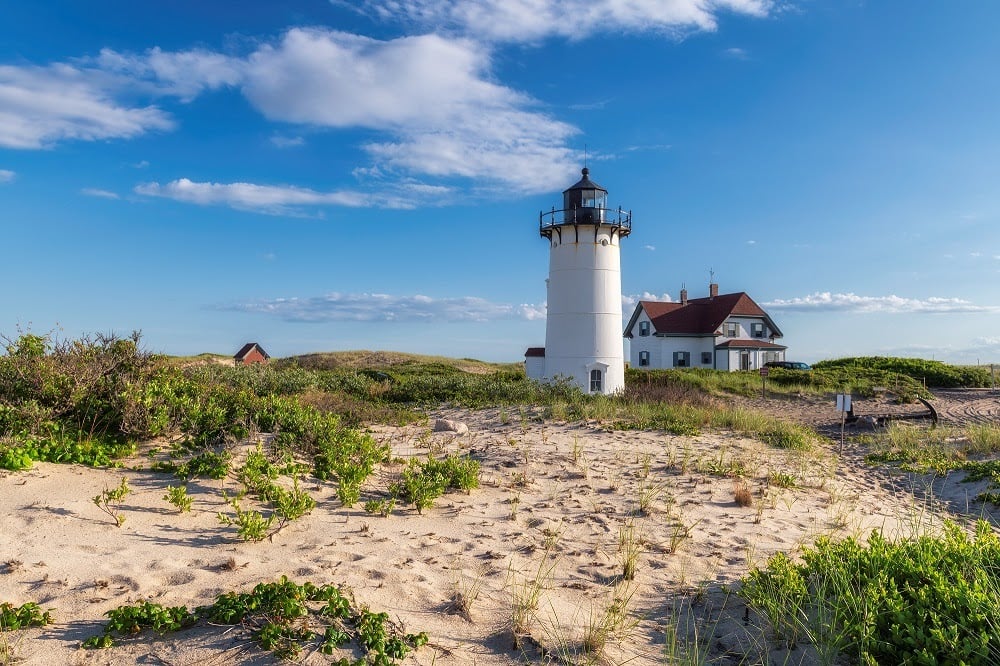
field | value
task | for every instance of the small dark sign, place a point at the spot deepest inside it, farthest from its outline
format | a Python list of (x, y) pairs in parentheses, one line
[(764, 371)]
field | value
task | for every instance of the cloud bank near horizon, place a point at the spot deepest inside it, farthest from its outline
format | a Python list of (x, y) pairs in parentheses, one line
[(373, 307), (826, 301)]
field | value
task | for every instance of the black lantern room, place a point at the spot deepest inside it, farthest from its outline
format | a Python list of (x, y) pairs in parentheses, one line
[(586, 202)]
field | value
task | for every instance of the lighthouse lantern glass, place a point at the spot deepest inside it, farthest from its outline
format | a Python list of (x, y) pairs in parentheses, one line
[(593, 199)]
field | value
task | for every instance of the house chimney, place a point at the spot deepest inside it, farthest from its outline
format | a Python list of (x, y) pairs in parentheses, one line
[(684, 296), (713, 290)]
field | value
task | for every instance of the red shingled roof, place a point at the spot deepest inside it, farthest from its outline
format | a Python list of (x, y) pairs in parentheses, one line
[(535, 352), (701, 316), (247, 348), (748, 344)]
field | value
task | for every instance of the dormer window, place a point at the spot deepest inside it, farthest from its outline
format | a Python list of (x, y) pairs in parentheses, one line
[(643, 328)]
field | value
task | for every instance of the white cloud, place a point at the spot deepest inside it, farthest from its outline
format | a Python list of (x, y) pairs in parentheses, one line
[(6, 175), (183, 74), (267, 199), (40, 106), (853, 303), (287, 141), (433, 97), (651, 248), (103, 194), (629, 301), (658, 147), (141, 164), (386, 307), (531, 20), (736, 53)]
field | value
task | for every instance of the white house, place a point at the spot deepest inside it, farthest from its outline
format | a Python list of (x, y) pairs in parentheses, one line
[(722, 331)]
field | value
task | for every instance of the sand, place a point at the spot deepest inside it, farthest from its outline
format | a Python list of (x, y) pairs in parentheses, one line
[(550, 512)]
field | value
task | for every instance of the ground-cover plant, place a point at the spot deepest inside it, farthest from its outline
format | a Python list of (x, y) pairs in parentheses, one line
[(110, 500), (26, 615), (177, 495), (423, 481), (282, 617), (381, 507), (286, 505), (781, 480), (131, 620), (250, 524), (349, 457), (931, 600)]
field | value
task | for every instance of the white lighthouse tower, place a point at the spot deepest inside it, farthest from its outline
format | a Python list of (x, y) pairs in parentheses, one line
[(583, 327)]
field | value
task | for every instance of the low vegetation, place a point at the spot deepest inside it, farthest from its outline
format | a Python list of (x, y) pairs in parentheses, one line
[(931, 600), (274, 435), (26, 615), (939, 451), (283, 617)]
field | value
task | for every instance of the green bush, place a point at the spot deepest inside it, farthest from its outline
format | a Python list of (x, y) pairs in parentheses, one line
[(422, 482), (932, 600), (934, 373)]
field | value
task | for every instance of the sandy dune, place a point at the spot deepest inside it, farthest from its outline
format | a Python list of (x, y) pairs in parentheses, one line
[(549, 517)]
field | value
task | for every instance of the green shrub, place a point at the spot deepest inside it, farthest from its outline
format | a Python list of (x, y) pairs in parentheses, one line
[(933, 600), (423, 482), (177, 495), (933, 373)]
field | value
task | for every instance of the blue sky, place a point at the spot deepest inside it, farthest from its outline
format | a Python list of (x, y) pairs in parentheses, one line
[(367, 174)]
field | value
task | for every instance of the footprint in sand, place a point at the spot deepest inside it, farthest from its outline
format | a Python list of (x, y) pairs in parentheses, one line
[(179, 578), (125, 582)]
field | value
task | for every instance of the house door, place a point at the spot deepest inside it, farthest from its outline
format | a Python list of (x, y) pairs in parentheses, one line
[(744, 360)]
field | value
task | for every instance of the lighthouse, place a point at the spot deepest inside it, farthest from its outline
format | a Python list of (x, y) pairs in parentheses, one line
[(583, 326)]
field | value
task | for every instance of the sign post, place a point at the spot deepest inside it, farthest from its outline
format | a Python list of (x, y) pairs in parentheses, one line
[(763, 381), (843, 406)]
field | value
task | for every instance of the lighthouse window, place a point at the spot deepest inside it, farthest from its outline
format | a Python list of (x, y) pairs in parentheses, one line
[(595, 381)]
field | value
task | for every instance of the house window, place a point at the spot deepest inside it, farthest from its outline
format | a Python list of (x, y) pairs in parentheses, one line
[(644, 328), (595, 381), (706, 358), (682, 359), (732, 329), (644, 358), (757, 330)]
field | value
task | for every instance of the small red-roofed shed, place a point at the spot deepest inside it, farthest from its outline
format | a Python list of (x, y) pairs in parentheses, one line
[(251, 353)]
